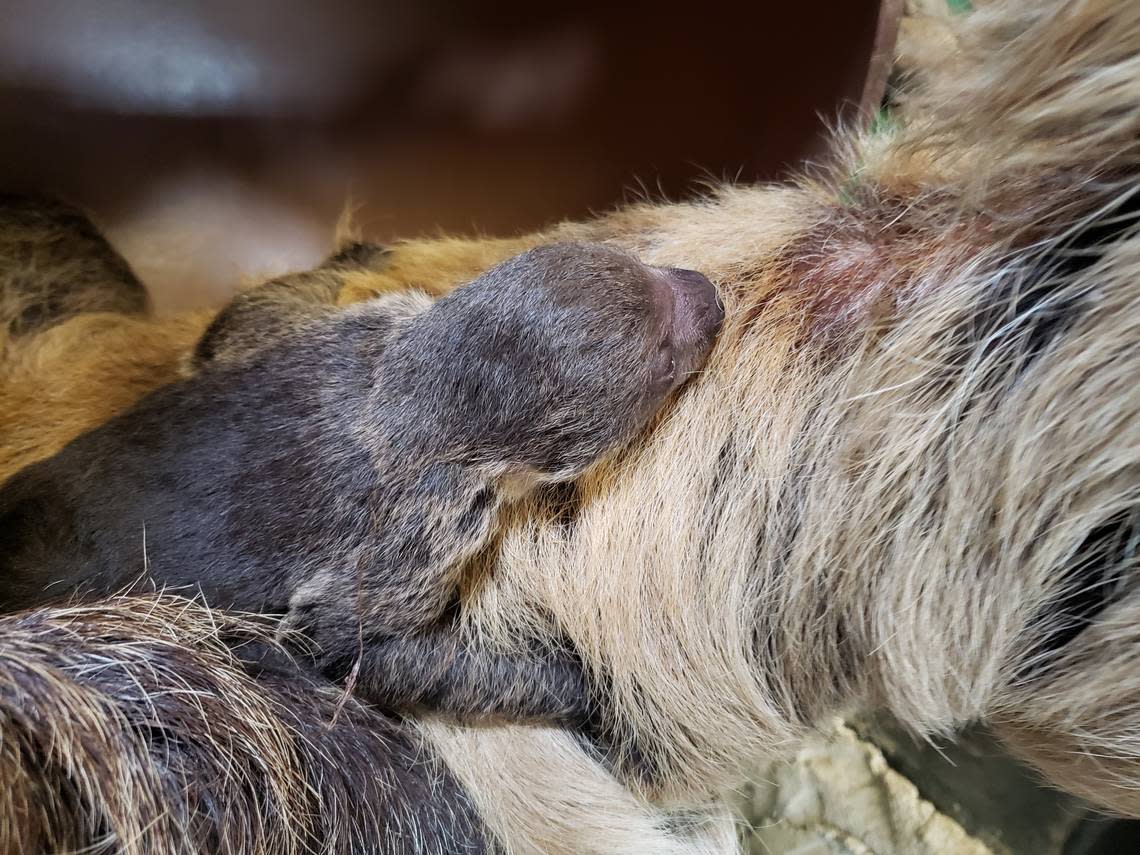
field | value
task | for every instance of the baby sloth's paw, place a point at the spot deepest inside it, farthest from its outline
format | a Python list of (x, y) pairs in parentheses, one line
[(383, 671), (318, 623)]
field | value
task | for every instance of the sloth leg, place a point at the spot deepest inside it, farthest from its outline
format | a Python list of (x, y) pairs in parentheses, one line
[(55, 264), (435, 267), (264, 314), (357, 272)]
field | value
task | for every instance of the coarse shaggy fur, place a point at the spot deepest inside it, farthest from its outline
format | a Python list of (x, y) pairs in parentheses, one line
[(130, 726), (908, 479)]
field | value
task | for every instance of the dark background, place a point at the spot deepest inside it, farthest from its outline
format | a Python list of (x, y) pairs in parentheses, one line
[(215, 139)]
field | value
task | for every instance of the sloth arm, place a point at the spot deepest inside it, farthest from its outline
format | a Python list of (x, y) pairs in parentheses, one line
[(442, 671)]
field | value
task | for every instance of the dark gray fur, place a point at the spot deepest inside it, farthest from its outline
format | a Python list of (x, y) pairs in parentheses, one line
[(342, 465)]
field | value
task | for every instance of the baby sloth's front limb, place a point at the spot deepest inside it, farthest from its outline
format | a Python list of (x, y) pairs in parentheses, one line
[(441, 671)]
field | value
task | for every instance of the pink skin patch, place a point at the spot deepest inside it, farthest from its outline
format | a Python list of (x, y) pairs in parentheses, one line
[(847, 272)]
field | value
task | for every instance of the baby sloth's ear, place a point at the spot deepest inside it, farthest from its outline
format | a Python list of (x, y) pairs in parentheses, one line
[(426, 526)]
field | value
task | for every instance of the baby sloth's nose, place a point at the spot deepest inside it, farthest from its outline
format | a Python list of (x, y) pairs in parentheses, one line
[(697, 304), (697, 316)]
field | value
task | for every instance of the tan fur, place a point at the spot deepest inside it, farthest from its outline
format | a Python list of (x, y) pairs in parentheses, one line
[(78, 374), (543, 795), (850, 508), (932, 521), (434, 267)]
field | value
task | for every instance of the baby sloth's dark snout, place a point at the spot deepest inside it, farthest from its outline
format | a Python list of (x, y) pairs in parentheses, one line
[(697, 318), (562, 354)]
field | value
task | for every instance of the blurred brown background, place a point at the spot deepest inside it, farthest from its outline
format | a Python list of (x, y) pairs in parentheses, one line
[(214, 139)]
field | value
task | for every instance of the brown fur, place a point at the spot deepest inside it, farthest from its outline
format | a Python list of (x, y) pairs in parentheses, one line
[(879, 490), (57, 265), (129, 726)]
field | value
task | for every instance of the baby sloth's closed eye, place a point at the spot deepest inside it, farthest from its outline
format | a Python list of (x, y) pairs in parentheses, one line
[(341, 465)]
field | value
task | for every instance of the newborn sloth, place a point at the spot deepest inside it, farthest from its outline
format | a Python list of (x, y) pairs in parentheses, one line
[(341, 465)]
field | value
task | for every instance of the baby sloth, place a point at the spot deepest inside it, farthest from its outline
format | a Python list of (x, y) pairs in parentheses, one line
[(342, 465)]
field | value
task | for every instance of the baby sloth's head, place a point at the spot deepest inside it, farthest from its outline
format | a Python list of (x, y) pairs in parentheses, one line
[(550, 360)]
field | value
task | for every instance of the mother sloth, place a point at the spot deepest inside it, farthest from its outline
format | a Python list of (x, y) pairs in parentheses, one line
[(909, 478)]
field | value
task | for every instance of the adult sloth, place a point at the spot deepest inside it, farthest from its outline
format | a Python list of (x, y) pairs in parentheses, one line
[(908, 479)]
